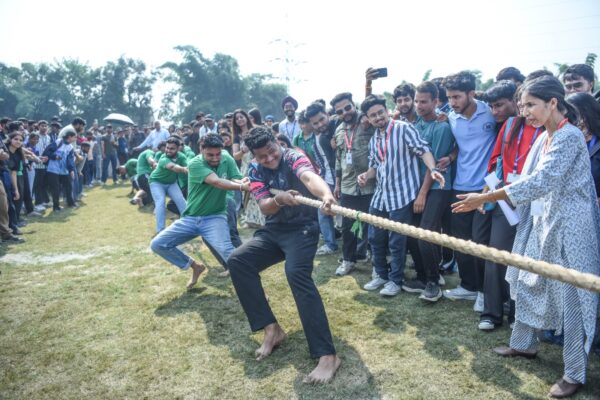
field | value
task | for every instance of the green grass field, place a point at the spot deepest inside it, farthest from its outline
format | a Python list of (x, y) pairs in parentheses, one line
[(87, 311)]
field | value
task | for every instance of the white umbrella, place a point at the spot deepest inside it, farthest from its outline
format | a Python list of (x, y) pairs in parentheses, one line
[(120, 118)]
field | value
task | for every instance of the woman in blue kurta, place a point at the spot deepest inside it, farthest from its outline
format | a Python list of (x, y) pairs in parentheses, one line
[(560, 223)]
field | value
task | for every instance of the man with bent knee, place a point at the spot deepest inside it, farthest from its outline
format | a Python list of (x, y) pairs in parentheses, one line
[(210, 175), (291, 233)]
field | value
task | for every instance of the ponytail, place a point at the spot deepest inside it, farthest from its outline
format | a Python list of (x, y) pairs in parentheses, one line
[(570, 111)]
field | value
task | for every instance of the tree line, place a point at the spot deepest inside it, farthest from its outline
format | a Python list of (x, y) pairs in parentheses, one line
[(69, 88)]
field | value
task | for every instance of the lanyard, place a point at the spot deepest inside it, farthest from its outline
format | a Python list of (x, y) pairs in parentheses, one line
[(518, 156), (293, 129), (383, 154), (349, 141)]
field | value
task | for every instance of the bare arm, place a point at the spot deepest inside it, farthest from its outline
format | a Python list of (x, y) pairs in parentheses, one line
[(176, 168), (225, 184)]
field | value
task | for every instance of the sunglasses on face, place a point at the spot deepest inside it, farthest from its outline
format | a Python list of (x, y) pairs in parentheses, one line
[(343, 110)]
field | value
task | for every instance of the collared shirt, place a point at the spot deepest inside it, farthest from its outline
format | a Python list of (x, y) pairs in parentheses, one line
[(290, 129), (475, 138), (205, 130), (394, 152), (285, 177), (307, 145), (357, 138), (154, 139)]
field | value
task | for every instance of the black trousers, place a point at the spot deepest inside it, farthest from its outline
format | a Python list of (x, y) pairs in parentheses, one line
[(297, 246), (55, 182), (495, 288), (40, 188), (431, 219), (349, 240), (143, 183), (476, 227)]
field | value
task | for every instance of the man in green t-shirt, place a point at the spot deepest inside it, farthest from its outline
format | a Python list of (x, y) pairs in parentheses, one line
[(210, 175), (145, 165), (163, 181), (129, 170), (432, 200)]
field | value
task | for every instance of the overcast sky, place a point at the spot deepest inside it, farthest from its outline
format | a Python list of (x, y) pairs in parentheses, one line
[(329, 44)]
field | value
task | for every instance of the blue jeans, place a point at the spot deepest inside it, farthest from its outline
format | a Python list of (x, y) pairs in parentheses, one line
[(214, 232), (112, 159), (327, 228), (380, 239), (159, 194)]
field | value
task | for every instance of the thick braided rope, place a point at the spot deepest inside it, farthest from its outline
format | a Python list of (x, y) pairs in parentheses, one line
[(553, 271)]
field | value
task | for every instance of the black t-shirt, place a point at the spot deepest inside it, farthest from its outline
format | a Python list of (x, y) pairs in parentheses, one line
[(286, 177), (15, 161)]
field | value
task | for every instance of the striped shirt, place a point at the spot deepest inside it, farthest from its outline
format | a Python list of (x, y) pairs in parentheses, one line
[(394, 152)]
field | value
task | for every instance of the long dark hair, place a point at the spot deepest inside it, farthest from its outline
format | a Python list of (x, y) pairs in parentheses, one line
[(257, 118), (589, 111), (547, 88), (11, 136), (237, 131)]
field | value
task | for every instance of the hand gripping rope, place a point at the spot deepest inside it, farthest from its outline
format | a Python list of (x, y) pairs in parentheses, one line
[(553, 271)]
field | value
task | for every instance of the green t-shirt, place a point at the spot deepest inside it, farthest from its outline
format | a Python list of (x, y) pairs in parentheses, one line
[(143, 166), (204, 199), (440, 139), (131, 167), (189, 153), (163, 175)]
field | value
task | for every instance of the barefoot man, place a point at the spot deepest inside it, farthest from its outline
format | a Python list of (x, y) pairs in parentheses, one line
[(291, 233), (210, 175)]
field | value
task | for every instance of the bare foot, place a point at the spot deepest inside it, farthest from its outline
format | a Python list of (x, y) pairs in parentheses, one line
[(224, 274), (274, 336), (197, 270), (325, 370)]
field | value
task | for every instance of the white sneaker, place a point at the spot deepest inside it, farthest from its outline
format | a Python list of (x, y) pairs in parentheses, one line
[(375, 284), (34, 214), (460, 293), (478, 306), (486, 325), (390, 289), (39, 208), (324, 250), (344, 268)]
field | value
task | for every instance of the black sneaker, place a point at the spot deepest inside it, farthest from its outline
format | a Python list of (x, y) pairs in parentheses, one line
[(413, 286), (431, 293), (13, 239)]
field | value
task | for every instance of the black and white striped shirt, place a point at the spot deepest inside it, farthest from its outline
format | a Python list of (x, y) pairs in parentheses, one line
[(394, 152)]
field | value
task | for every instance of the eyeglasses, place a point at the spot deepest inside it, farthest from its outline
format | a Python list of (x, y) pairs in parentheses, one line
[(343, 110)]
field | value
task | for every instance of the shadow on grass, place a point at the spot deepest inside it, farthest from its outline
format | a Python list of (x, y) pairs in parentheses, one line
[(226, 325), (454, 332)]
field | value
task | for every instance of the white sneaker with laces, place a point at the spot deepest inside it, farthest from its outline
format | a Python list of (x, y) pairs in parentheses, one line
[(39, 208), (460, 293), (344, 268), (324, 250), (478, 306), (375, 284), (486, 325), (390, 289)]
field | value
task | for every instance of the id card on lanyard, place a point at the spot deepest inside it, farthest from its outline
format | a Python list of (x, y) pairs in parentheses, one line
[(512, 177), (349, 144), (383, 152)]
